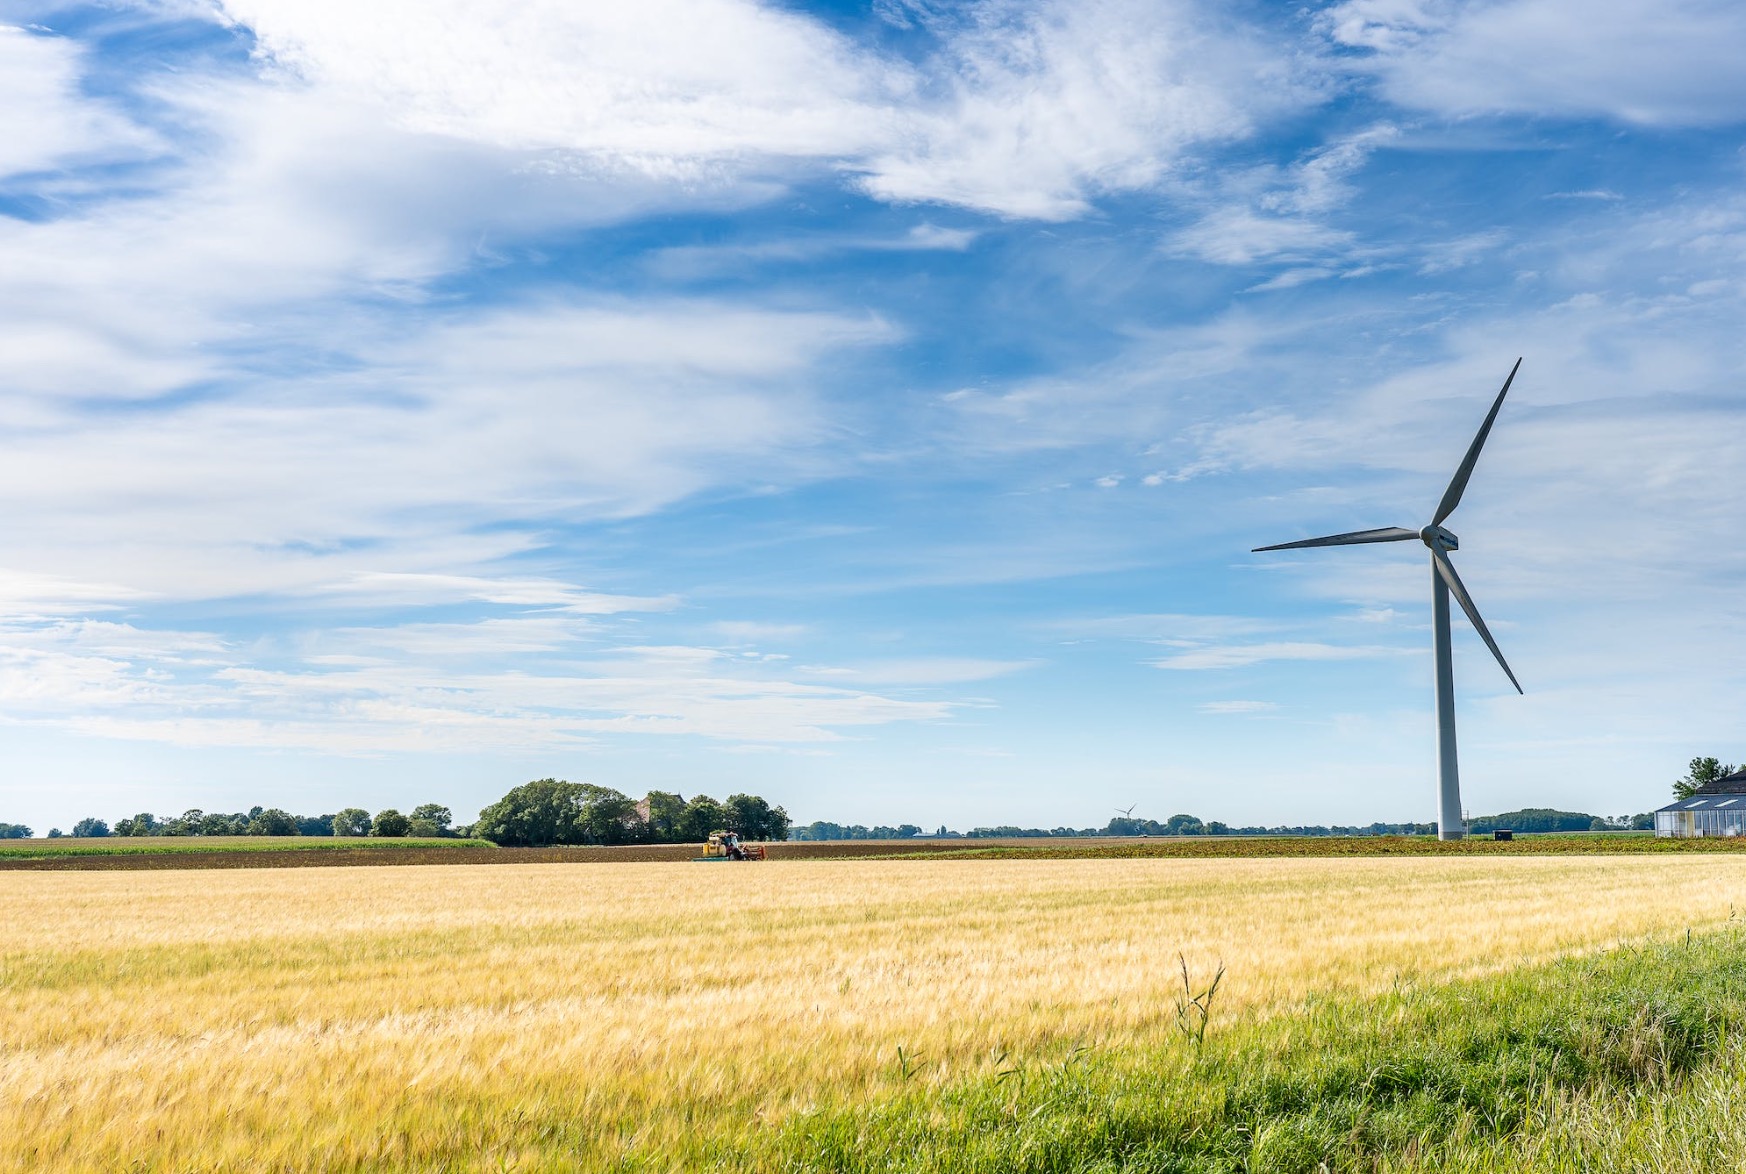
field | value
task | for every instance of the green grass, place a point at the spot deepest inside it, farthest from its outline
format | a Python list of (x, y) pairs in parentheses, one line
[(1629, 1060), (1545, 844), (167, 845)]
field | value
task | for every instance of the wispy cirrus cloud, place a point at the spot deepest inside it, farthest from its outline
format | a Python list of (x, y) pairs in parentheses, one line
[(1022, 110), (1041, 111), (1670, 64), (508, 683), (331, 479), (1237, 707), (405, 589), (931, 670), (52, 123), (1227, 656)]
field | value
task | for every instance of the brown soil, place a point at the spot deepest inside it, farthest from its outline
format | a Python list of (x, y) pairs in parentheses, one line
[(385, 857)]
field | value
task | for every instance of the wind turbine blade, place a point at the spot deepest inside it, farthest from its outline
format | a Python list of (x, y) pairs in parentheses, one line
[(1446, 569), (1458, 486), (1386, 534)]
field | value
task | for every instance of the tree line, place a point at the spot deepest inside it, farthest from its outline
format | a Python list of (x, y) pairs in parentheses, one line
[(537, 814), (427, 821), (552, 811), (1536, 819)]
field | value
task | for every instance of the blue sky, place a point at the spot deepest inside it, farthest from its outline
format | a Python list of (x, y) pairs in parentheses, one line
[(868, 405)]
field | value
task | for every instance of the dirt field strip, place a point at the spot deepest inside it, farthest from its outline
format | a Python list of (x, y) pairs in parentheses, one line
[(399, 1018), (328, 854)]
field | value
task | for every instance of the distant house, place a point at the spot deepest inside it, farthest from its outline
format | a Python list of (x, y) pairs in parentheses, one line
[(1716, 809)]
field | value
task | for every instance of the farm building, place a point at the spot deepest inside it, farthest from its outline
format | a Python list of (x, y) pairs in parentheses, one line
[(1715, 809)]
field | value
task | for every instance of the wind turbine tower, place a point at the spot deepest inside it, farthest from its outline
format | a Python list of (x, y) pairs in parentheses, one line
[(1444, 581)]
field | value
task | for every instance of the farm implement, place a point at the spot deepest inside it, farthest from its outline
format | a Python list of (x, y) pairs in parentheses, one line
[(729, 846)]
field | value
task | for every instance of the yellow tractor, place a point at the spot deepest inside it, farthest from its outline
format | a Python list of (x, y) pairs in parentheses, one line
[(729, 846)]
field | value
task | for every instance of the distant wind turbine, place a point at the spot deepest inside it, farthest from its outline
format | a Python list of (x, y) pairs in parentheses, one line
[(1443, 581), (1127, 811)]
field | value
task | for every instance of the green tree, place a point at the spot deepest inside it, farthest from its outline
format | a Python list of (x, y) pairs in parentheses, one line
[(1532, 819), (353, 821), (14, 831), (552, 811), (272, 822), (608, 816), (755, 819), (436, 816), (1703, 770), (666, 816), (745, 814), (186, 824), (91, 828), (143, 824), (220, 824), (532, 815), (701, 816), (390, 824)]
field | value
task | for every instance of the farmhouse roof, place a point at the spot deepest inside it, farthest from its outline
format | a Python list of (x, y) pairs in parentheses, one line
[(1711, 802), (1734, 784)]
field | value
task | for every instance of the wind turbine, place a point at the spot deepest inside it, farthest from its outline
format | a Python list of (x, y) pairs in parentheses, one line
[(1444, 580)]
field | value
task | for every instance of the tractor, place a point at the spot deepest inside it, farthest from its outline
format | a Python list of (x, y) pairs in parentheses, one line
[(729, 846)]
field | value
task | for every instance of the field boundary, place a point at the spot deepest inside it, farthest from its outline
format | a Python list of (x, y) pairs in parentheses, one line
[(289, 853), (1208, 847)]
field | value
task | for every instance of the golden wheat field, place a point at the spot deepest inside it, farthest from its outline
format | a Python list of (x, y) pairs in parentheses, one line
[(468, 1018)]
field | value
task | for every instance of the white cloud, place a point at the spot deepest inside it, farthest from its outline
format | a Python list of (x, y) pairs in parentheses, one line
[(1666, 64), (1237, 707), (926, 670), (1292, 278), (412, 590), (39, 594), (1279, 215), (337, 482), (933, 236), (509, 683), (1226, 656), (49, 123), (1165, 627), (1048, 105), (1023, 110), (1320, 181), (757, 632), (1241, 236), (669, 88)]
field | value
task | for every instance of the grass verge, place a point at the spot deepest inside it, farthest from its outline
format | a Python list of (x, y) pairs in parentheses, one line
[(196, 845), (1629, 1060), (1204, 847)]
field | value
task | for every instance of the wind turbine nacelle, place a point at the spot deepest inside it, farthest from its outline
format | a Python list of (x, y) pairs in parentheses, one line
[(1437, 537)]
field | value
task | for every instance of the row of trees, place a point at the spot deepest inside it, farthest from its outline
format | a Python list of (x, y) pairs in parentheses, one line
[(1526, 820), (552, 811), (431, 820), (546, 811), (1546, 819), (819, 829), (1176, 825)]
